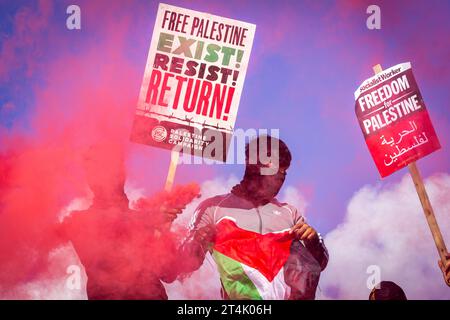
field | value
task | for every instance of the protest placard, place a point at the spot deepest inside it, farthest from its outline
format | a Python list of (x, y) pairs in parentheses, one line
[(193, 82), (394, 120), (398, 131)]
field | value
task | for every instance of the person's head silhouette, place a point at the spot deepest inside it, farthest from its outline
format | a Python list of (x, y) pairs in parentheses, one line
[(387, 290)]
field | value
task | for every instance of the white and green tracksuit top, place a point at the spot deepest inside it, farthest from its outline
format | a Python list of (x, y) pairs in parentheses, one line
[(256, 256)]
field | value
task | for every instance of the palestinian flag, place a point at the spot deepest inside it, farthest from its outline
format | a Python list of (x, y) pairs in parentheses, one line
[(251, 264)]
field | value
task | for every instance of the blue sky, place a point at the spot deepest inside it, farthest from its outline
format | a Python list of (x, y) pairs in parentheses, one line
[(308, 58)]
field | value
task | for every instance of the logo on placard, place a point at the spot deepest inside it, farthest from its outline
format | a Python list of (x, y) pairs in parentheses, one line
[(159, 133)]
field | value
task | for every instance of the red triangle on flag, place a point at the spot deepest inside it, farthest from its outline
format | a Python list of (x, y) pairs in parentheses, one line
[(265, 252)]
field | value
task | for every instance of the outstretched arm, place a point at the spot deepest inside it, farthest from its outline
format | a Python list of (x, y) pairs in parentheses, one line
[(190, 254), (199, 240), (193, 250)]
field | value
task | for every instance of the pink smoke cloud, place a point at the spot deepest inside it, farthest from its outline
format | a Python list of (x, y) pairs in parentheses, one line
[(84, 100)]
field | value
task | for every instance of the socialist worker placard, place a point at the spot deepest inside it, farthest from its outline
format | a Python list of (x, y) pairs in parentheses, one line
[(394, 120)]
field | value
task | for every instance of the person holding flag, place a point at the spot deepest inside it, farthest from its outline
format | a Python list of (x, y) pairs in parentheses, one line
[(264, 249)]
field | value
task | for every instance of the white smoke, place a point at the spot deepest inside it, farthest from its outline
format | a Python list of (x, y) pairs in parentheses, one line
[(385, 228), (292, 196), (65, 279)]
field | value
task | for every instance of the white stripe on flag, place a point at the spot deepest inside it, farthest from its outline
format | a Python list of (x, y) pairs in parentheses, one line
[(275, 290)]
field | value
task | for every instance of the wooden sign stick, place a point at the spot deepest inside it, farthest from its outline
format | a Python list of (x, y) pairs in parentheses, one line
[(426, 204), (174, 156)]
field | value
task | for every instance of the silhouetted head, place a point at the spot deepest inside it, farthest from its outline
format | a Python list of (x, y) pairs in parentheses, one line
[(387, 290), (267, 160), (105, 172)]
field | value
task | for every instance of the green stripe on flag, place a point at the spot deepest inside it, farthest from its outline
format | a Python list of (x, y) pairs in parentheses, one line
[(234, 279)]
